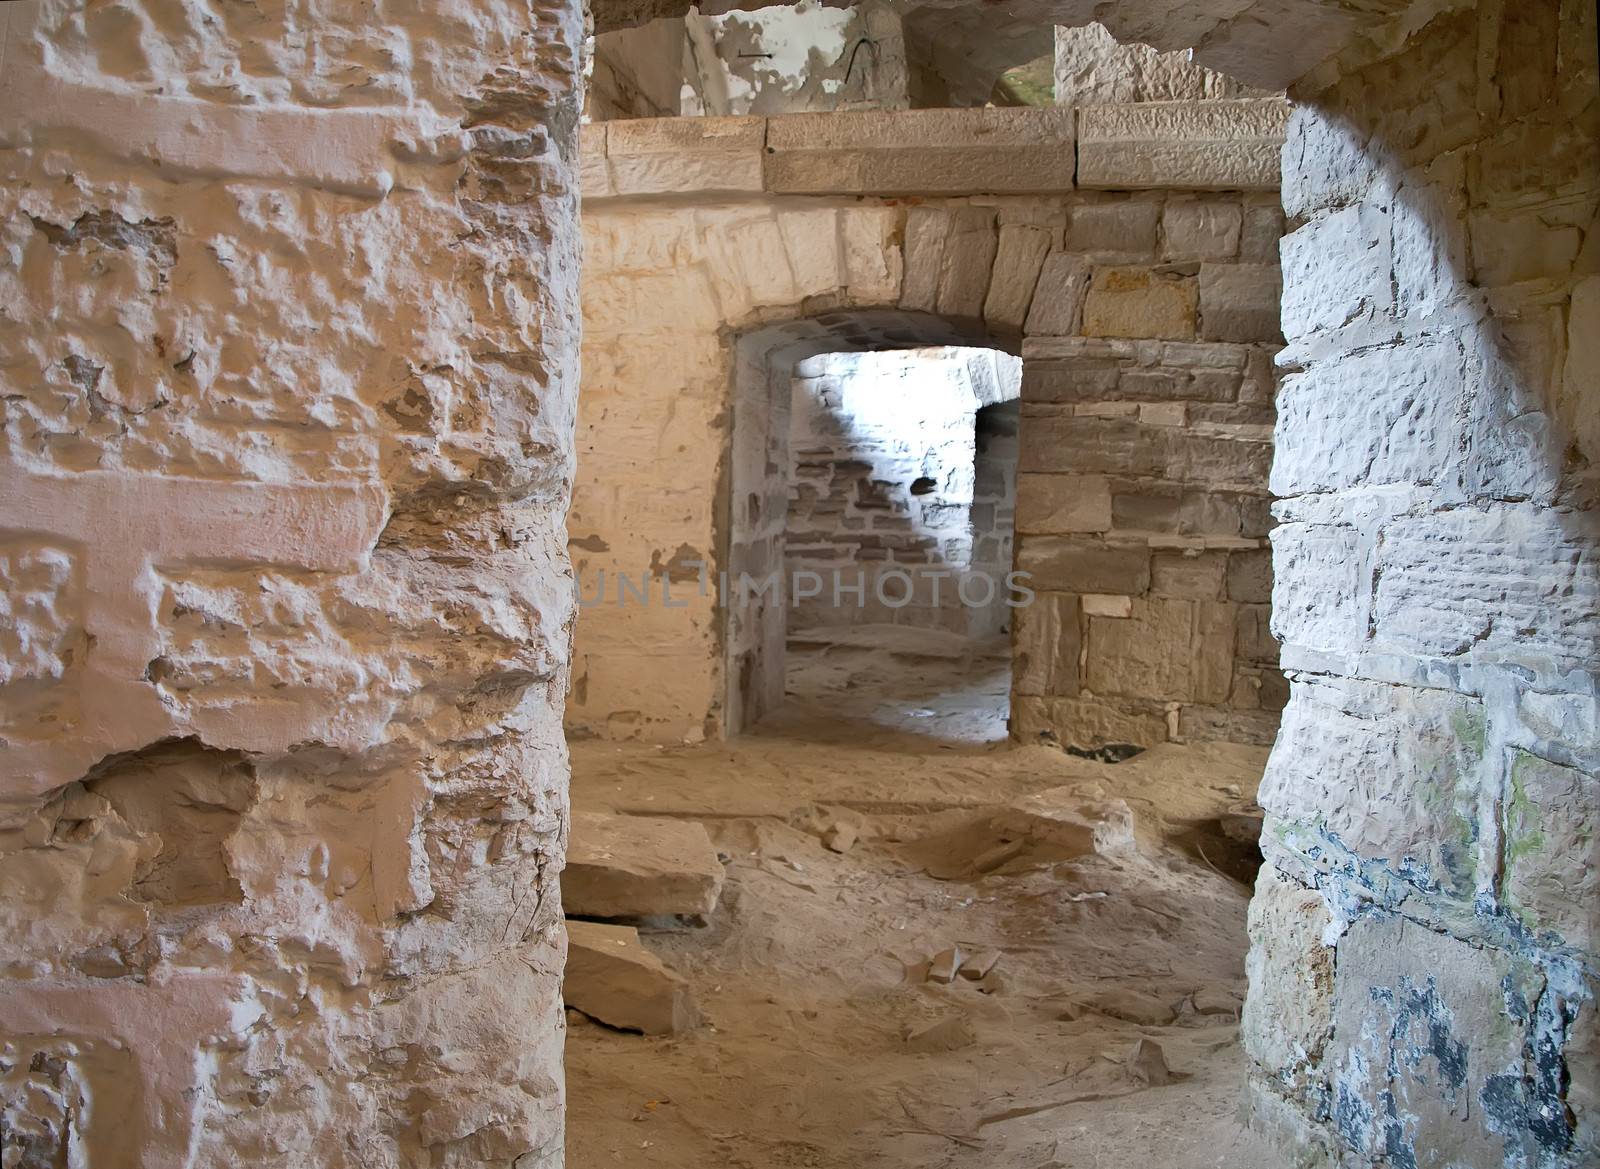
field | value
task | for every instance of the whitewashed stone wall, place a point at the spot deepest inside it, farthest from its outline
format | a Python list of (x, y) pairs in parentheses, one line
[(774, 60), (1425, 942), (1145, 319), (287, 392), (882, 486)]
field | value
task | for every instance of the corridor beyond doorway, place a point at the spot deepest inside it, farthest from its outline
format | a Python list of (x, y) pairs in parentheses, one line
[(898, 539)]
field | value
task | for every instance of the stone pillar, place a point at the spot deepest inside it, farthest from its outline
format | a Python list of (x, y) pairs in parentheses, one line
[(288, 389), (1425, 932)]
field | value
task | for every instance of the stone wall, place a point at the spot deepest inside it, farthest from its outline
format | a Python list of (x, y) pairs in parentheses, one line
[(882, 479), (1425, 932), (994, 514), (1093, 68), (287, 401), (1145, 319), (774, 60)]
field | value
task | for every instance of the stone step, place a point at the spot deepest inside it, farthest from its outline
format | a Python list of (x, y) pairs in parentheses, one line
[(614, 980), (636, 866)]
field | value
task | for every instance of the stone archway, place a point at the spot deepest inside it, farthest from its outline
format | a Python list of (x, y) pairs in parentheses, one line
[(1146, 317), (756, 490)]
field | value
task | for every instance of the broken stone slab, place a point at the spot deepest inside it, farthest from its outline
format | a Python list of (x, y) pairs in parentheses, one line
[(1070, 819), (1216, 1000), (637, 866), (945, 965), (1147, 1061), (949, 1034), (1125, 1003), (614, 980), (840, 837), (976, 967)]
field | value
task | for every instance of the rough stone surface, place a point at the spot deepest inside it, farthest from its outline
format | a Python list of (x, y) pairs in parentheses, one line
[(1430, 802), (614, 979), (939, 152), (288, 396), (1202, 145), (639, 866), (1071, 820)]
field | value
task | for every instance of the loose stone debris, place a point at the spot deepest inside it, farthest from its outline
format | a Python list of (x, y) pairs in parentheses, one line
[(637, 866), (613, 979)]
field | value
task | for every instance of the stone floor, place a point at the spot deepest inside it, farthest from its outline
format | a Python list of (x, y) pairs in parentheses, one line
[(823, 1042)]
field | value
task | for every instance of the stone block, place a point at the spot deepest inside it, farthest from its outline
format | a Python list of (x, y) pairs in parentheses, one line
[(1087, 723), (1148, 655), (1240, 460), (1046, 642), (872, 260), (1582, 370), (1068, 444), (1174, 414), (1386, 776), (1227, 724), (1017, 264), (1140, 302), (1336, 271), (1429, 1060), (921, 152), (1260, 234), (1253, 640), (594, 172), (1202, 145), (613, 979), (1068, 819), (1079, 565), (1124, 227), (1331, 165), (1173, 508), (1552, 851), (1240, 302), (1196, 576), (1513, 581), (1288, 1015), (1059, 504), (1103, 605), (1058, 296), (638, 866), (1322, 583), (927, 229), (811, 240), (1389, 415), (1084, 380), (1250, 577), (681, 156), (1211, 651), (1208, 230), (967, 263)]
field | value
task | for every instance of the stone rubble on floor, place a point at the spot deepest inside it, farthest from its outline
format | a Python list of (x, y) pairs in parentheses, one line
[(614, 980), (638, 866)]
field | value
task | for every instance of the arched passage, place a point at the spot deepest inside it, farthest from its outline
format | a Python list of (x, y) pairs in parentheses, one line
[(758, 479), (1146, 322)]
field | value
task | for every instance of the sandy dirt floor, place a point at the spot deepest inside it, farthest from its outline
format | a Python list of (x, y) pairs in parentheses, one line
[(1106, 1033)]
